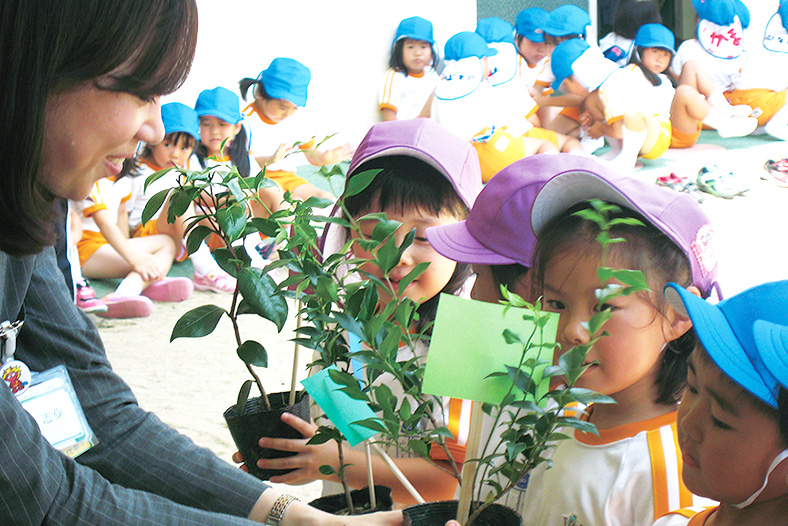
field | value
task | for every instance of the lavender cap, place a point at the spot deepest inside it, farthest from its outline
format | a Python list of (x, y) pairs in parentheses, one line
[(675, 214), (498, 231), (429, 142)]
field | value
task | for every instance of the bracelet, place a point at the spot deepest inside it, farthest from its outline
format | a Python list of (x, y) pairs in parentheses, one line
[(278, 509)]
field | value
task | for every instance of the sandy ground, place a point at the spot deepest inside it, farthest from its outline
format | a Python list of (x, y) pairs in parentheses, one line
[(190, 382)]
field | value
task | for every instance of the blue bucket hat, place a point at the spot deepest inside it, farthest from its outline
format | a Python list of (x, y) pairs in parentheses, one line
[(656, 35), (179, 117), (219, 102), (467, 44), (726, 331), (530, 23), (721, 12), (771, 340), (576, 57), (567, 19), (286, 78), (416, 28), (494, 30)]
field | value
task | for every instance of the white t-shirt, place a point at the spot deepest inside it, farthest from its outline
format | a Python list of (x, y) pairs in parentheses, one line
[(407, 94), (622, 92), (628, 476), (616, 48), (530, 74), (141, 196), (107, 194), (265, 138), (724, 72)]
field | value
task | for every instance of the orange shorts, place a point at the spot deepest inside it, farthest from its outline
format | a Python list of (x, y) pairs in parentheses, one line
[(679, 139), (541, 133), (573, 112), (764, 102), (663, 141), (89, 244), (287, 180), (498, 152), (151, 228)]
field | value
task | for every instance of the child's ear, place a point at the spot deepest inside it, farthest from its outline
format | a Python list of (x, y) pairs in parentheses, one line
[(237, 128), (678, 323)]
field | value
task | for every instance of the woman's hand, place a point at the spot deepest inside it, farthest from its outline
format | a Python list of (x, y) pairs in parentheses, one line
[(308, 458)]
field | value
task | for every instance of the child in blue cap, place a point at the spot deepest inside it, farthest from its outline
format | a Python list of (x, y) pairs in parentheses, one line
[(281, 131), (733, 418), (629, 16), (529, 39), (412, 76), (466, 104), (182, 132)]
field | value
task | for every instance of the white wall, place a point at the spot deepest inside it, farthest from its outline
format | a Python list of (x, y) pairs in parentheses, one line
[(345, 43)]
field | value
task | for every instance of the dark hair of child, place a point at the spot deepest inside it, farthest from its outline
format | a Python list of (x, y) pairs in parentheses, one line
[(405, 183), (555, 40), (396, 62), (780, 415), (509, 275), (245, 83), (132, 167), (646, 249), (631, 14), (652, 77), (237, 151)]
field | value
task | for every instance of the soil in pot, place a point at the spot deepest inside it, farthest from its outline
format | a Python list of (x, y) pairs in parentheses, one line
[(337, 504), (438, 513), (256, 421)]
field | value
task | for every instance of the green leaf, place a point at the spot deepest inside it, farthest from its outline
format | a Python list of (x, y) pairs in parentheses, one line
[(260, 293), (235, 188), (417, 271), (384, 228), (419, 447), (243, 396), (232, 221), (229, 262), (359, 182), (197, 322), (179, 203), (386, 255), (327, 470), (253, 353), (265, 226), (197, 236), (371, 423), (154, 204)]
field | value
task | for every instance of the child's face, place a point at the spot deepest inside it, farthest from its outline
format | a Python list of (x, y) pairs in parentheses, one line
[(441, 268), (416, 54), (171, 153), (727, 444), (574, 86), (655, 59), (627, 359), (275, 110), (213, 131), (532, 51)]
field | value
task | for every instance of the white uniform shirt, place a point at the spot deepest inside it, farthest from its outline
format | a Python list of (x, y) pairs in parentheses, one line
[(407, 94), (265, 139), (616, 48), (724, 72), (107, 194), (622, 92)]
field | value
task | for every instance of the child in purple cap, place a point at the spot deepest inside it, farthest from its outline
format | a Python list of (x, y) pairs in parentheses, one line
[(280, 131), (412, 76), (733, 418), (428, 178), (630, 473)]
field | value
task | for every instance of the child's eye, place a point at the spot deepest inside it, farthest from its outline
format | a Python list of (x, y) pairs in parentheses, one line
[(554, 305), (421, 239), (720, 424), (605, 307)]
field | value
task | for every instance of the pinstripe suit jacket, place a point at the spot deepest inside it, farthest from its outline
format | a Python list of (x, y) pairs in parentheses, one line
[(142, 472)]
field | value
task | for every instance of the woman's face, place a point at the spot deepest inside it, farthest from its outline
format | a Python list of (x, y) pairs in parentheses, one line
[(89, 132)]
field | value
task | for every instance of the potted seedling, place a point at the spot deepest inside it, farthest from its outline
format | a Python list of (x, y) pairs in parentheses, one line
[(222, 198)]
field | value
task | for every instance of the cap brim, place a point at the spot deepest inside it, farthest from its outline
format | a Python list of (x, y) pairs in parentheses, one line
[(719, 340), (455, 242), (771, 340)]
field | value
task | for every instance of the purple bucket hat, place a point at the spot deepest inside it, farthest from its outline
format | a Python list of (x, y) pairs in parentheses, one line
[(429, 142), (675, 214), (498, 230)]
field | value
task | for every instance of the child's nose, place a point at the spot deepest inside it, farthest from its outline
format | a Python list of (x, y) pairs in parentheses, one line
[(688, 419), (575, 330)]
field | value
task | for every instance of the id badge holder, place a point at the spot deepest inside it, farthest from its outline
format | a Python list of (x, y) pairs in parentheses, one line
[(48, 397)]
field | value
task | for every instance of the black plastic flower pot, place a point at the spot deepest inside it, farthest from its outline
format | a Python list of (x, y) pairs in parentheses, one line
[(256, 421), (337, 504), (438, 513)]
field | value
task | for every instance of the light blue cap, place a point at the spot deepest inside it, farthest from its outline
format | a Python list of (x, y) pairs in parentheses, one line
[(219, 102), (656, 35), (726, 331), (563, 58), (771, 340), (416, 28), (721, 12), (467, 44), (530, 23), (286, 78), (567, 19), (179, 117), (494, 30)]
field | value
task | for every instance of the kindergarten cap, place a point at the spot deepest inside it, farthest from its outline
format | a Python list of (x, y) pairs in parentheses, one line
[(416, 28), (179, 117), (467, 44), (429, 142), (219, 102), (494, 30), (721, 12), (726, 331), (530, 23), (567, 19), (771, 340), (587, 63), (656, 35), (498, 230), (286, 78), (675, 214)]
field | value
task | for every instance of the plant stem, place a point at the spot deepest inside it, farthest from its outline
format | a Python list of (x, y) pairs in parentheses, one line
[(341, 472)]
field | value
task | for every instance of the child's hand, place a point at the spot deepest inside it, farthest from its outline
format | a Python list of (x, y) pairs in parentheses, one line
[(336, 155), (281, 152), (307, 460), (586, 120), (596, 130), (148, 267)]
